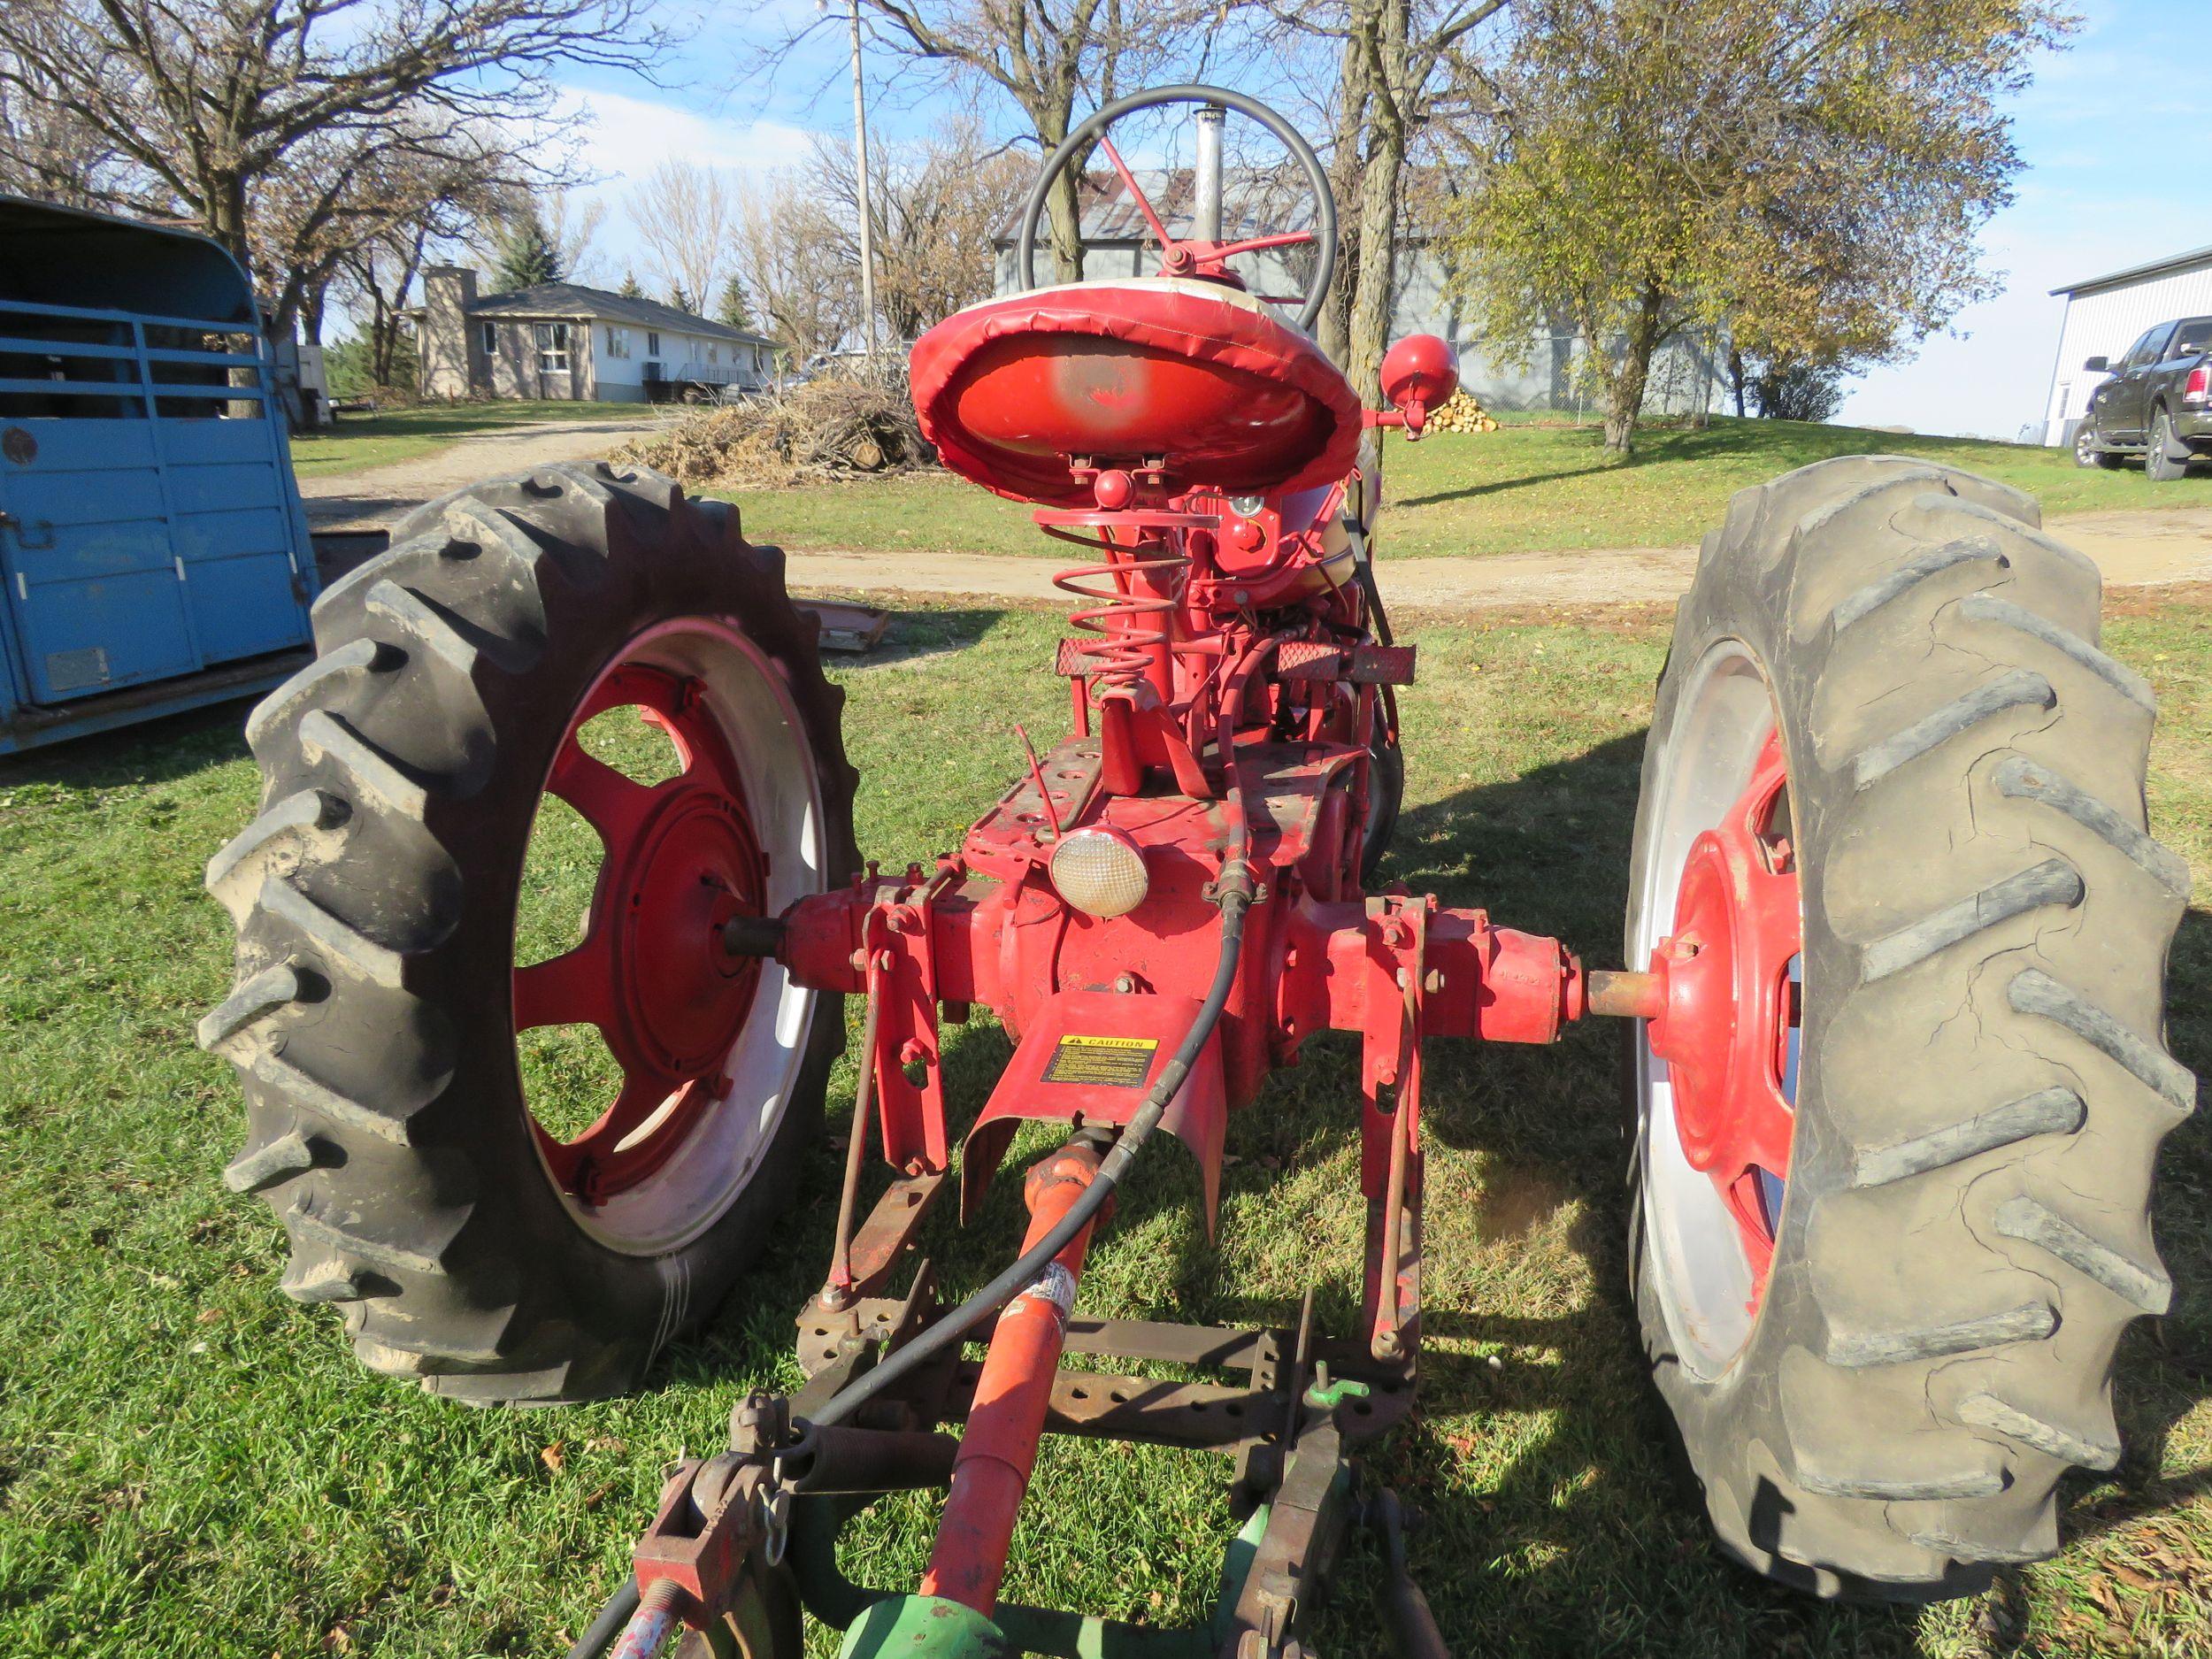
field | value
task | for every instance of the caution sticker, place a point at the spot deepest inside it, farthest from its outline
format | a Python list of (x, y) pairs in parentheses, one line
[(1102, 1061)]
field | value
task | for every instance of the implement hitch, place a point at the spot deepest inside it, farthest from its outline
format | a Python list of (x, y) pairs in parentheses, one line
[(746, 1540)]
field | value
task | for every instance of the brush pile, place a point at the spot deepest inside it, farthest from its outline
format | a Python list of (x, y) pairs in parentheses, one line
[(1460, 414), (850, 420)]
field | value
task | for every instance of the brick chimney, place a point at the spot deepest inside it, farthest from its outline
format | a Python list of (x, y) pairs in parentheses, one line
[(452, 367)]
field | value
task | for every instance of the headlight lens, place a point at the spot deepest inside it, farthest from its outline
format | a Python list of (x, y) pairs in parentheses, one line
[(1100, 872)]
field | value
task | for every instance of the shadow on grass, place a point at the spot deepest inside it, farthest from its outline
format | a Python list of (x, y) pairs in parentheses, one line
[(163, 750), (915, 634), (1526, 480), (1776, 446)]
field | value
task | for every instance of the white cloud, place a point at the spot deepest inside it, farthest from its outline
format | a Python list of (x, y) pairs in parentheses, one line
[(628, 137)]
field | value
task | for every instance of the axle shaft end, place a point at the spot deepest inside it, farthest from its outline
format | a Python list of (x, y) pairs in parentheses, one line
[(1628, 995)]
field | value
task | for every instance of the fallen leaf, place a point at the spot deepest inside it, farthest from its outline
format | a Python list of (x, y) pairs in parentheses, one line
[(554, 1457)]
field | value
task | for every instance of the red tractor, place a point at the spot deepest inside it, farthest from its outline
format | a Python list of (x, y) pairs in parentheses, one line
[(1895, 943)]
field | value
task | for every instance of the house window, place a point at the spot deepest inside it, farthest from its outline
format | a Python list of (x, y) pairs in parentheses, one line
[(618, 342), (489, 335), (714, 354), (552, 340), (652, 343)]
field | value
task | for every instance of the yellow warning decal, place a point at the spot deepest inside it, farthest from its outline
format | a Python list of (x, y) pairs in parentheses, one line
[(1102, 1062)]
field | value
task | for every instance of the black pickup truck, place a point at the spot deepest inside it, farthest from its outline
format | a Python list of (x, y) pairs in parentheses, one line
[(2157, 405)]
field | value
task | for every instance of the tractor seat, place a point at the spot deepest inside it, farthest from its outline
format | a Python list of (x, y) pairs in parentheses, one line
[(1199, 378)]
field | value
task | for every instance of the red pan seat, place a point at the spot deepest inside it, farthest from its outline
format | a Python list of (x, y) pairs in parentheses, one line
[(1193, 373)]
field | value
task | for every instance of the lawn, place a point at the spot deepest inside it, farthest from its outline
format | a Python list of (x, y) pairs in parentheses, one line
[(1534, 486), (360, 442), (189, 1463)]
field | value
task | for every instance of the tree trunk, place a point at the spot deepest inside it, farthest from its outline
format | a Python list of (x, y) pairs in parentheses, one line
[(1381, 183), (1736, 377), (224, 211), (1378, 250), (1333, 328), (1624, 386), (1063, 208)]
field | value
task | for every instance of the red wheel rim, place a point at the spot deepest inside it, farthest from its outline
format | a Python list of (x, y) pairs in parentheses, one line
[(681, 859), (1734, 1006)]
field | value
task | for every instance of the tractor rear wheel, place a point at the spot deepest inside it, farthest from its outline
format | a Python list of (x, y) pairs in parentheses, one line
[(390, 950), (1897, 1125)]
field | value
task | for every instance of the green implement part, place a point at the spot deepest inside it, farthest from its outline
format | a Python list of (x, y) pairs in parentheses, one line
[(925, 1627)]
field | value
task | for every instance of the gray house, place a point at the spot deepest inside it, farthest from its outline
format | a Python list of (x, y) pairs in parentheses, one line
[(564, 342), (1686, 374)]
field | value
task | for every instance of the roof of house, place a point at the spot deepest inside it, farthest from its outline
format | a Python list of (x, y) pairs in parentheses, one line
[(2155, 267), (1255, 201), (573, 299)]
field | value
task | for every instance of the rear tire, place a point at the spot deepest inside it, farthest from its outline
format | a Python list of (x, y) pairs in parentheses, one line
[(2163, 460), (1981, 1084), (376, 899)]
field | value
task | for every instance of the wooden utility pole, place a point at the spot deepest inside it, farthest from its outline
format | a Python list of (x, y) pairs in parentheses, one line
[(867, 215)]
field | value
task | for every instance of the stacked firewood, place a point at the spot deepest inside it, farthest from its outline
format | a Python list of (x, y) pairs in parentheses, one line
[(1460, 413)]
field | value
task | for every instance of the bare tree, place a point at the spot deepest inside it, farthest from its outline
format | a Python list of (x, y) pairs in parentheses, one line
[(207, 100), (524, 232), (687, 219), (351, 188), (374, 279), (935, 207), (45, 150), (786, 239), (573, 223), (1049, 55)]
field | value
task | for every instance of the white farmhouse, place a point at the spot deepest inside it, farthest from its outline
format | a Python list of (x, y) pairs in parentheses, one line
[(2106, 314), (566, 343)]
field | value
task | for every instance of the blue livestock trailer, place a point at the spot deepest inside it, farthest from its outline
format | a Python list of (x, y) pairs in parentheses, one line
[(152, 542)]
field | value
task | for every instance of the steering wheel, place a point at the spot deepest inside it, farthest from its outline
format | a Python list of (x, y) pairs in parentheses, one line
[(1196, 257)]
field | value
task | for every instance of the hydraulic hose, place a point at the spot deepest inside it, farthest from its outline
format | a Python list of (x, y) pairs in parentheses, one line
[(609, 1622), (1236, 889), (1236, 897)]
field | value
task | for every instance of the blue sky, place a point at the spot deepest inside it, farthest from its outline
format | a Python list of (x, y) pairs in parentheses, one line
[(2112, 133)]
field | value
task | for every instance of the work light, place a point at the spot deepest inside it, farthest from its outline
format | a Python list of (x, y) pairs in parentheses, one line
[(1099, 871)]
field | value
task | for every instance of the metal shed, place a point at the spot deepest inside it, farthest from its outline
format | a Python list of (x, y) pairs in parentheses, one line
[(152, 541), (2104, 313)]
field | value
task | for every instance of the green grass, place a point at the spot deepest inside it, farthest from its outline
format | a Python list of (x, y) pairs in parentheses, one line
[(360, 442), (190, 1464), (1532, 486), (1552, 487)]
